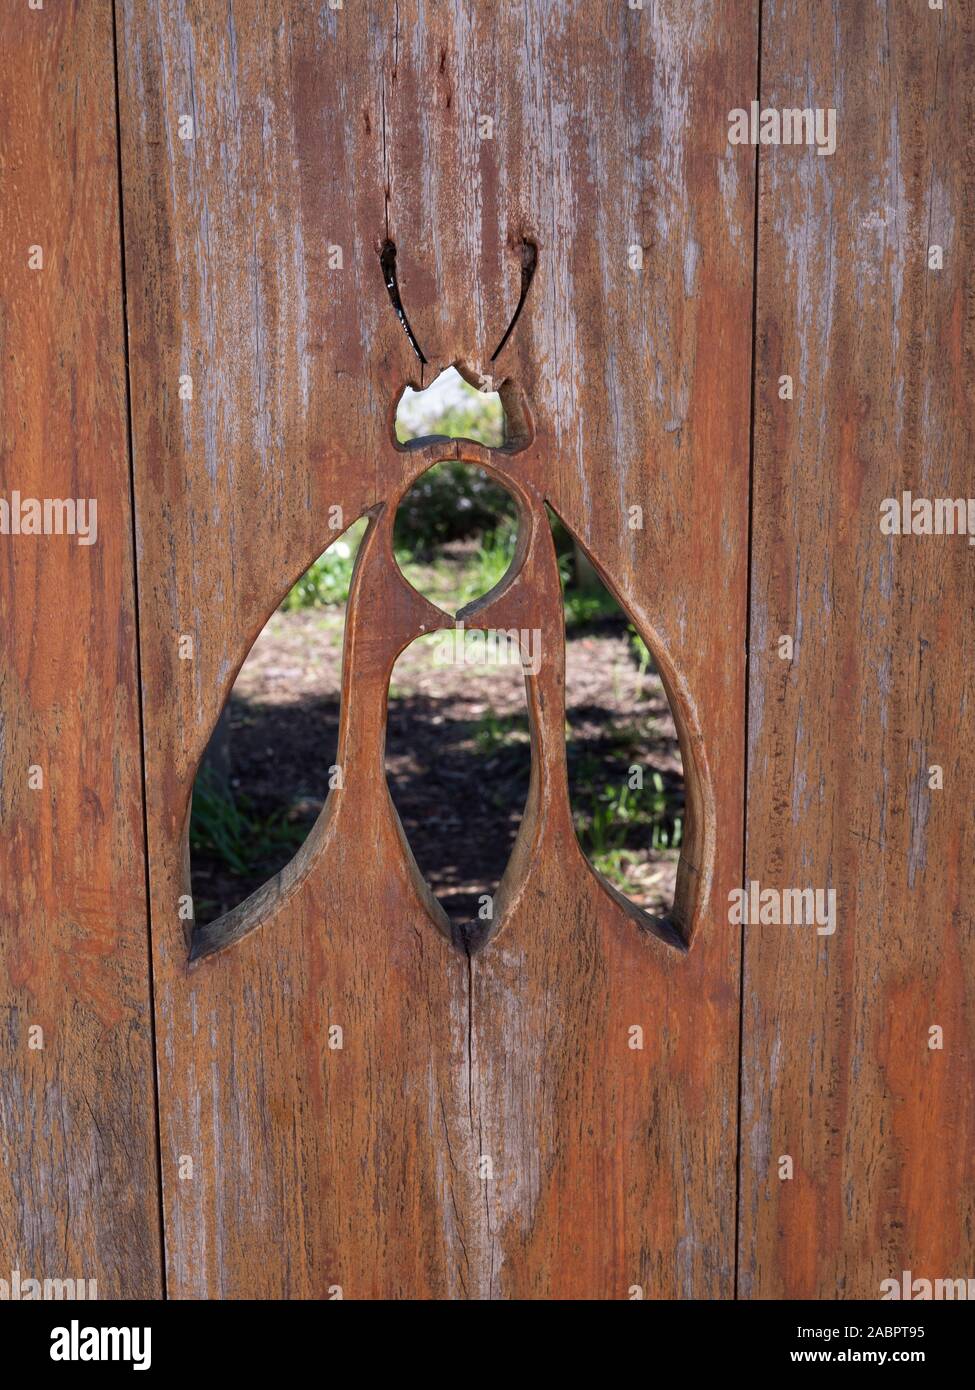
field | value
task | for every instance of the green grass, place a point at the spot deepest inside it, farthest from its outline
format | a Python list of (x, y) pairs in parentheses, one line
[(227, 827), (490, 563), (494, 733), (606, 825), (326, 581), (640, 650), (583, 607), (454, 581)]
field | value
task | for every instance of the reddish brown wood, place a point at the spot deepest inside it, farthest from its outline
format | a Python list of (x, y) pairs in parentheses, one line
[(78, 1181), (359, 1168), (484, 1130), (837, 1069)]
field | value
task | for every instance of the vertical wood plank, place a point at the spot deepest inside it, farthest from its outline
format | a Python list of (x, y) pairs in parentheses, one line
[(312, 1169), (838, 1072), (615, 1167), (78, 1183)]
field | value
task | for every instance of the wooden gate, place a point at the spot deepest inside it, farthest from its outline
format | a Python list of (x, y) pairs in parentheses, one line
[(755, 344)]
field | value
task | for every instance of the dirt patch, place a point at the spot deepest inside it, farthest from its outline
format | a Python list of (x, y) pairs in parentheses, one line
[(457, 758)]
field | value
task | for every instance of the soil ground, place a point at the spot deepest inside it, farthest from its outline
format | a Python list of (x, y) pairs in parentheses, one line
[(457, 759)]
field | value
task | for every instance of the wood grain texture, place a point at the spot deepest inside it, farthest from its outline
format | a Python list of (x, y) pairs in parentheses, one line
[(78, 1182), (361, 1167), (613, 1167), (837, 1069)]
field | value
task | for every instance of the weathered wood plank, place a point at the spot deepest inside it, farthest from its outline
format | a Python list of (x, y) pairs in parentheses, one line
[(78, 1181), (312, 1168), (362, 1167), (838, 1073), (614, 1167)]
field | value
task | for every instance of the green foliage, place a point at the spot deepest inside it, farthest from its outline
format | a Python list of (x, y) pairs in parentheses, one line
[(453, 580), (494, 733), (607, 826), (587, 606), (640, 650), (228, 828), (583, 604), (480, 417), (613, 864), (327, 580), (451, 501), (488, 565)]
